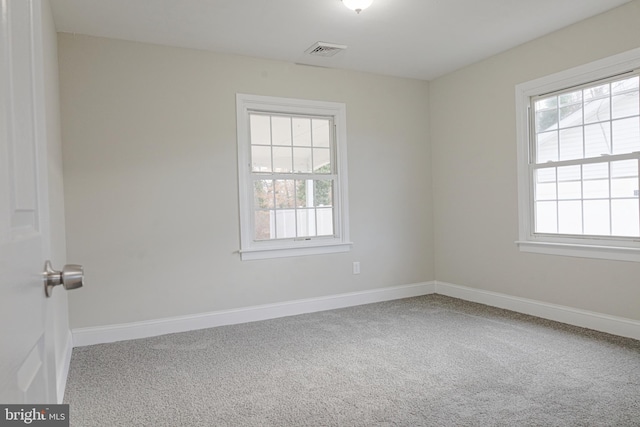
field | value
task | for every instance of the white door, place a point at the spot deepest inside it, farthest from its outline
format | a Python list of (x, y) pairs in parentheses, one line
[(26, 365)]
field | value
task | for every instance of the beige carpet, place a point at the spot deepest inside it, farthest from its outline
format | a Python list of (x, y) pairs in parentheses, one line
[(426, 361)]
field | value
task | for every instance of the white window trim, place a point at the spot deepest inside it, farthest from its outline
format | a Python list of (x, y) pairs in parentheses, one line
[(587, 247), (250, 249)]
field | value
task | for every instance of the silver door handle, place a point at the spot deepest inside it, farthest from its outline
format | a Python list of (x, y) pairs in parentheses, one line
[(71, 277)]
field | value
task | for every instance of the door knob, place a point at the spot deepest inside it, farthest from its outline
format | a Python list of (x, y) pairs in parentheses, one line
[(71, 277)]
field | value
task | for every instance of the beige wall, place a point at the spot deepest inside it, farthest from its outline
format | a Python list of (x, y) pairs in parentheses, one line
[(473, 137), (151, 181)]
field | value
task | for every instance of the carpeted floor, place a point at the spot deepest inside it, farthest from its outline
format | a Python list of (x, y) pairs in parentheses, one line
[(426, 361)]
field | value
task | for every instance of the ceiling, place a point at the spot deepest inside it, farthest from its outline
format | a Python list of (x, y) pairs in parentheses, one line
[(420, 39)]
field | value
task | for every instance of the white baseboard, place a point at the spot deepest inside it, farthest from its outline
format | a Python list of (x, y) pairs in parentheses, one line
[(586, 319), (573, 316), (111, 333), (62, 370)]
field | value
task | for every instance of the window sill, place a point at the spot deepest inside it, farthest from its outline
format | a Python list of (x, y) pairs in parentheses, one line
[(285, 252), (616, 253)]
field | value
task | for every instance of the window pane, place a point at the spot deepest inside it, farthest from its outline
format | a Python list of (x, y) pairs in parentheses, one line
[(569, 185), (624, 187), (625, 105), (596, 217), (571, 144), (306, 222), (263, 195), (321, 132), (546, 120), (546, 175), (595, 171), (571, 98), (322, 160), (570, 217), (547, 103), (625, 84), (280, 130), (569, 173), (596, 189), (264, 225), (597, 140), (547, 149), (304, 193), (624, 178), (260, 129), (302, 160), (598, 110), (546, 191), (624, 218), (596, 181), (546, 217), (570, 116), (545, 186), (285, 193), (261, 158), (302, 132), (571, 109), (601, 91), (624, 168), (325, 221), (626, 135), (323, 193), (569, 190), (282, 159), (285, 224)]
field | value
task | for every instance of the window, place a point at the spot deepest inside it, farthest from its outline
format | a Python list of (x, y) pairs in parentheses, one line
[(292, 177), (579, 161)]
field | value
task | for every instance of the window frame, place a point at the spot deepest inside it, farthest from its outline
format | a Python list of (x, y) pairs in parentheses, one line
[(622, 249), (251, 249)]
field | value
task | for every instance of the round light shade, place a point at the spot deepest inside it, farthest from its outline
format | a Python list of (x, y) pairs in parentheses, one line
[(357, 5)]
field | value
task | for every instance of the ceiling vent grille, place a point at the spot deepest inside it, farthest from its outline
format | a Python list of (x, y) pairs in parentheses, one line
[(325, 49)]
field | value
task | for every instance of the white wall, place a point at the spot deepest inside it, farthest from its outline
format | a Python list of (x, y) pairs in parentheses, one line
[(473, 137), (151, 181)]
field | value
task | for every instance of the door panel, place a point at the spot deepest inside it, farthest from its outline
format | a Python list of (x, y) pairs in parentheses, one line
[(22, 140), (24, 363)]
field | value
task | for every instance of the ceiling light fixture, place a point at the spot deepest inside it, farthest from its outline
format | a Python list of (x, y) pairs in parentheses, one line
[(357, 5)]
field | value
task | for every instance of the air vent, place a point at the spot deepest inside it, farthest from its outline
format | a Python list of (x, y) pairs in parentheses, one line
[(325, 49)]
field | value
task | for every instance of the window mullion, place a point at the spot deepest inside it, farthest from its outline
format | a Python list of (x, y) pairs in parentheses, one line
[(638, 173), (273, 211), (332, 147), (557, 201), (584, 152), (582, 195), (532, 201), (558, 131), (532, 150), (610, 119), (610, 201), (638, 195), (312, 142)]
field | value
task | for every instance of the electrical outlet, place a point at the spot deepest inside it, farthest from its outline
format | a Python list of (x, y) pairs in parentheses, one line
[(356, 267)]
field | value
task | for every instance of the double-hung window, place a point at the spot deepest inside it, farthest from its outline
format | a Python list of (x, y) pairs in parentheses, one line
[(292, 177), (579, 161)]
